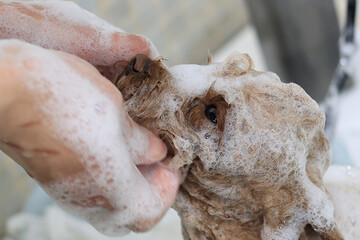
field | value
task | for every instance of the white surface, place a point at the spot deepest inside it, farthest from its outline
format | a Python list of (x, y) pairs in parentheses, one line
[(343, 186), (56, 224), (348, 125)]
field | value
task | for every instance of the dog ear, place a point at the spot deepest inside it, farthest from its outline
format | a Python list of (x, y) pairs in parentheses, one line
[(140, 72), (236, 64), (196, 113)]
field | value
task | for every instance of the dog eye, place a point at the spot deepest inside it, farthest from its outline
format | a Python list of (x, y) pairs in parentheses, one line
[(210, 113)]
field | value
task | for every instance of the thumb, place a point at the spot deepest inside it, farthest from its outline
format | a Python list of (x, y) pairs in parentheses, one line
[(162, 179), (164, 182), (155, 151)]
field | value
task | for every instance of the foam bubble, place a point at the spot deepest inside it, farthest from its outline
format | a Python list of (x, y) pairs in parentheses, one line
[(27, 154), (193, 79)]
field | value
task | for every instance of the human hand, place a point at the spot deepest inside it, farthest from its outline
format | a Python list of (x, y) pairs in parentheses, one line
[(64, 26), (67, 126)]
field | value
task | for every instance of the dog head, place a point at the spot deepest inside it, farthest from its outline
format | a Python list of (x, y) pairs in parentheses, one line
[(253, 147)]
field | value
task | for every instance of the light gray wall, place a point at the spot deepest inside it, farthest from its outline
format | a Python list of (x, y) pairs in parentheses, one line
[(183, 31)]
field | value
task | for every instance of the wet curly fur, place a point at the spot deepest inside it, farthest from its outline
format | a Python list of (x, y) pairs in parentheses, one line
[(264, 199)]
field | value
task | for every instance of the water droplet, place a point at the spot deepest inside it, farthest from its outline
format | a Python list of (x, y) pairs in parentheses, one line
[(27, 154), (207, 135), (98, 108)]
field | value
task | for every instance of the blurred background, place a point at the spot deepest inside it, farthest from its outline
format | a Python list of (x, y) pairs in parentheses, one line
[(297, 39)]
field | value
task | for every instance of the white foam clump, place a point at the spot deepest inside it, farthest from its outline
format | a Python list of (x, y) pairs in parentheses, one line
[(90, 124), (193, 80), (81, 32), (343, 186)]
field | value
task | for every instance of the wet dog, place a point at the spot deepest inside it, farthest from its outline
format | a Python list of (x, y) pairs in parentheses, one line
[(252, 148)]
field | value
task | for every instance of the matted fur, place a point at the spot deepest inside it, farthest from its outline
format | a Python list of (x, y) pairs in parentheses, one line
[(234, 201)]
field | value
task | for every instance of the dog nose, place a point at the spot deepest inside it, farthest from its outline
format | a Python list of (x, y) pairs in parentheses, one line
[(140, 64)]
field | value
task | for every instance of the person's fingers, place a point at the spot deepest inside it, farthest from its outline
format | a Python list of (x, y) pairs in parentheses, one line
[(163, 179), (73, 115), (155, 151), (165, 182), (64, 26), (23, 128)]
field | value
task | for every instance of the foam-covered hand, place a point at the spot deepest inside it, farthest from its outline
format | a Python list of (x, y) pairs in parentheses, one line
[(64, 26), (66, 125)]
